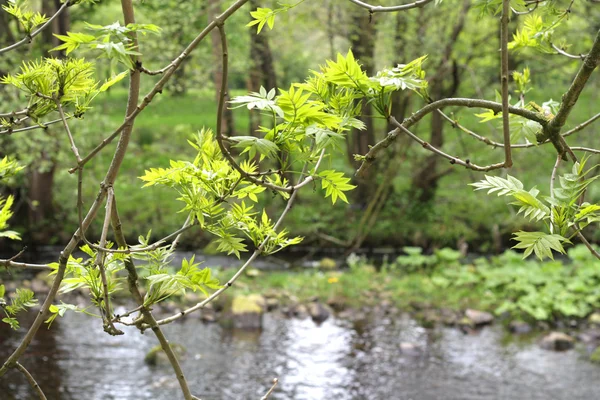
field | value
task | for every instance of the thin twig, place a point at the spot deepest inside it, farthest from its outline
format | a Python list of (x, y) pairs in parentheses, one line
[(504, 81), (402, 7), (30, 128), (552, 180), (453, 160), (135, 111), (564, 53), (588, 245), (34, 385), (100, 256), (266, 396), (371, 156), (66, 125)]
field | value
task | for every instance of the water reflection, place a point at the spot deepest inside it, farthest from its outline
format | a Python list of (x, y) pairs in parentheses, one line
[(337, 360)]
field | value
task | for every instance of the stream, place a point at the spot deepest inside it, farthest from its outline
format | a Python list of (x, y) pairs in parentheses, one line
[(338, 359)]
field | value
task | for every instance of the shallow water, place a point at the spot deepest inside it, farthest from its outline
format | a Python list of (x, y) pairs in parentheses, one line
[(337, 360)]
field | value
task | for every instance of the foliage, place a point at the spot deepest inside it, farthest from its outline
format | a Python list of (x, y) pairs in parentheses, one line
[(566, 212), (21, 301)]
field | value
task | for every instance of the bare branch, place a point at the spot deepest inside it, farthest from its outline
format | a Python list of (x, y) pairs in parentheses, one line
[(266, 396), (377, 9), (504, 81), (564, 53), (420, 114), (34, 385), (453, 160)]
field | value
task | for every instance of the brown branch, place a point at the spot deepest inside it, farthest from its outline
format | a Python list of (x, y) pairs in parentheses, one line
[(30, 128), (453, 160), (371, 156), (569, 99), (34, 385), (377, 9), (100, 256), (133, 112), (504, 81)]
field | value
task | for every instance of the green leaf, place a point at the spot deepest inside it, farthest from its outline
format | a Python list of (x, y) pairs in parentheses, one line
[(540, 243), (335, 184), (253, 145)]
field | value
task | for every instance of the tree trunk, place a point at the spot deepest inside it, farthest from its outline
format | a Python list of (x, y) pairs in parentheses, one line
[(41, 181), (362, 40), (228, 127), (444, 84), (262, 68)]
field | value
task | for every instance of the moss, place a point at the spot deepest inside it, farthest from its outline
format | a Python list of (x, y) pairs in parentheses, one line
[(252, 303), (595, 357), (327, 263)]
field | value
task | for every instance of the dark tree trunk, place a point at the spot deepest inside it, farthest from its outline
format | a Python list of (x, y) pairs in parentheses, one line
[(262, 68), (41, 181), (444, 84), (362, 40), (228, 127)]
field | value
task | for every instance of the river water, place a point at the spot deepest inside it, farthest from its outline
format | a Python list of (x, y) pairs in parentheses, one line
[(337, 360)]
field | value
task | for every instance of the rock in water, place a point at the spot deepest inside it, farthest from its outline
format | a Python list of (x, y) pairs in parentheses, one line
[(557, 341), (519, 327), (247, 311), (318, 312), (410, 349), (479, 318), (594, 319)]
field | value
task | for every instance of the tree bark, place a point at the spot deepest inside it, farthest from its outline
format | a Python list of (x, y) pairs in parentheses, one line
[(214, 9), (262, 67), (362, 40)]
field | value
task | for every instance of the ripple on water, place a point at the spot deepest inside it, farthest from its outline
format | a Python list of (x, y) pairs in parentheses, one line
[(337, 360)]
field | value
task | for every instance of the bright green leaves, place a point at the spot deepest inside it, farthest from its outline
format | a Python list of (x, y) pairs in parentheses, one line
[(214, 192), (563, 212), (59, 310), (530, 206), (253, 145), (346, 72), (540, 243), (261, 17), (28, 19), (72, 40), (111, 41), (335, 184), (535, 33), (261, 101), (21, 301), (8, 168), (266, 16), (70, 81), (5, 214), (189, 277), (405, 76)]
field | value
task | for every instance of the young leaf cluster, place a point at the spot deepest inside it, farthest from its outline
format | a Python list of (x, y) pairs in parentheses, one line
[(21, 301), (563, 213), (214, 193), (111, 41)]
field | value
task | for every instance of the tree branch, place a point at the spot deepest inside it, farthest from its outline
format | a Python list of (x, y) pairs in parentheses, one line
[(420, 114), (504, 81), (176, 63), (30, 37), (377, 9), (34, 385)]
